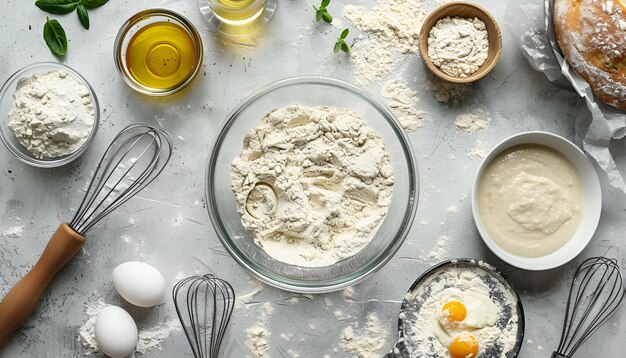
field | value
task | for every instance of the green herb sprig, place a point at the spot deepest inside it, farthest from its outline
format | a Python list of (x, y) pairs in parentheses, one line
[(55, 37), (321, 13), (341, 42), (53, 32)]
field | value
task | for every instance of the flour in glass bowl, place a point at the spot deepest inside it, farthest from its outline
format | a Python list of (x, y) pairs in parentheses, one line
[(312, 184), (52, 115)]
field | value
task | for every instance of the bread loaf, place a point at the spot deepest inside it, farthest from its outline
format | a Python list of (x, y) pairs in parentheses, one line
[(592, 36)]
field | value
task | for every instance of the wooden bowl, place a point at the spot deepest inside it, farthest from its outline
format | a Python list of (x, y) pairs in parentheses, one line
[(465, 10)]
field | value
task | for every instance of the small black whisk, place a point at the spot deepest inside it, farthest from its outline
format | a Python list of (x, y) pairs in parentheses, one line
[(596, 293), (136, 156), (204, 305)]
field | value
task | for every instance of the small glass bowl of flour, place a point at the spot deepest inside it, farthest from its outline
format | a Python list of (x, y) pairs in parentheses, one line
[(49, 114)]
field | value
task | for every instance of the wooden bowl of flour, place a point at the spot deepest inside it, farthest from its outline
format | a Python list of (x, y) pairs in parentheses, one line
[(468, 11)]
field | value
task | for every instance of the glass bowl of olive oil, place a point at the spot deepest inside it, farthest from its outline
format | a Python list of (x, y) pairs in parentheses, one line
[(236, 12), (158, 52)]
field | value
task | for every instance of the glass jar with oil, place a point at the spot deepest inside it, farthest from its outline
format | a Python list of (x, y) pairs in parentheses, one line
[(237, 12), (158, 52)]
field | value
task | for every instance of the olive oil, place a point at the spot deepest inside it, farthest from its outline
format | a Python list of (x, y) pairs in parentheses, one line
[(161, 55), (237, 11)]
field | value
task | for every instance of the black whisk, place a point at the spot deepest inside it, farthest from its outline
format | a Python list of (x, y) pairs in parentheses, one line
[(136, 156), (204, 305), (596, 293)]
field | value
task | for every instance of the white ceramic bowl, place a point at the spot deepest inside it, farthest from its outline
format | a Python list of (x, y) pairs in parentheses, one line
[(592, 201)]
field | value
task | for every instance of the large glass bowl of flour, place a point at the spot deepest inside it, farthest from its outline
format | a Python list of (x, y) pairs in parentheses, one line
[(222, 206)]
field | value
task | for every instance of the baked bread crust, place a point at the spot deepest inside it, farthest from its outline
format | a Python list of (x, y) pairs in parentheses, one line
[(592, 36)]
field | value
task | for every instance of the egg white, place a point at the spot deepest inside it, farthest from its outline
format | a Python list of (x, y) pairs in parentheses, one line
[(481, 312)]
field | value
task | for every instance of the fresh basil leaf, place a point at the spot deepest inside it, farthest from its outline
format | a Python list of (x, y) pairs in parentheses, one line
[(337, 47), (345, 47), (325, 3), (92, 4), (58, 7), (83, 16), (55, 38), (327, 17), (344, 34), (318, 15)]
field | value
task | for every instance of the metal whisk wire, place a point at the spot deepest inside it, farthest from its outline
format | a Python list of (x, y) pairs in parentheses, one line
[(208, 306), (135, 157), (595, 295)]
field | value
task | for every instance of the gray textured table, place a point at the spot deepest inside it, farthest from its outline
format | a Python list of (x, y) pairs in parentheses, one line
[(168, 226)]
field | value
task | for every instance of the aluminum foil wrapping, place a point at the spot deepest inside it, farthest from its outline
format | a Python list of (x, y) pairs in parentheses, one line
[(533, 30)]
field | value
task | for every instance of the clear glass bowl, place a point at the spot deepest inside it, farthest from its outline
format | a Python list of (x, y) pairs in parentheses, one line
[(222, 207), (236, 14), (6, 102), (138, 22)]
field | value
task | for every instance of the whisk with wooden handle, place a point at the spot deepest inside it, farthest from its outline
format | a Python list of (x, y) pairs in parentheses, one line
[(204, 305), (135, 157), (596, 293)]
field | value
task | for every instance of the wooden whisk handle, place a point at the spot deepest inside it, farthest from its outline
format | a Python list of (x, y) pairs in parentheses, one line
[(22, 299)]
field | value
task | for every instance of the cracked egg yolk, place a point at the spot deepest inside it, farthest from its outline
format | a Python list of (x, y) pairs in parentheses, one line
[(454, 311), (463, 346)]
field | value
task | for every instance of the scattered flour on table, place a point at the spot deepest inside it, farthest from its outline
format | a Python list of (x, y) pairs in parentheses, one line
[(340, 315), (458, 46), (149, 337), (14, 232), (391, 26), (438, 252), (52, 114), (395, 22), (403, 103), (348, 293), (258, 337), (152, 337), (86, 331), (327, 302), (478, 151), (243, 299), (449, 92), (312, 184), (372, 61), (472, 121), (367, 342), (451, 210)]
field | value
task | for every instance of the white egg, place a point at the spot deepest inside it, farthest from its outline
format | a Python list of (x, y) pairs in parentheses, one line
[(116, 332), (139, 283)]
